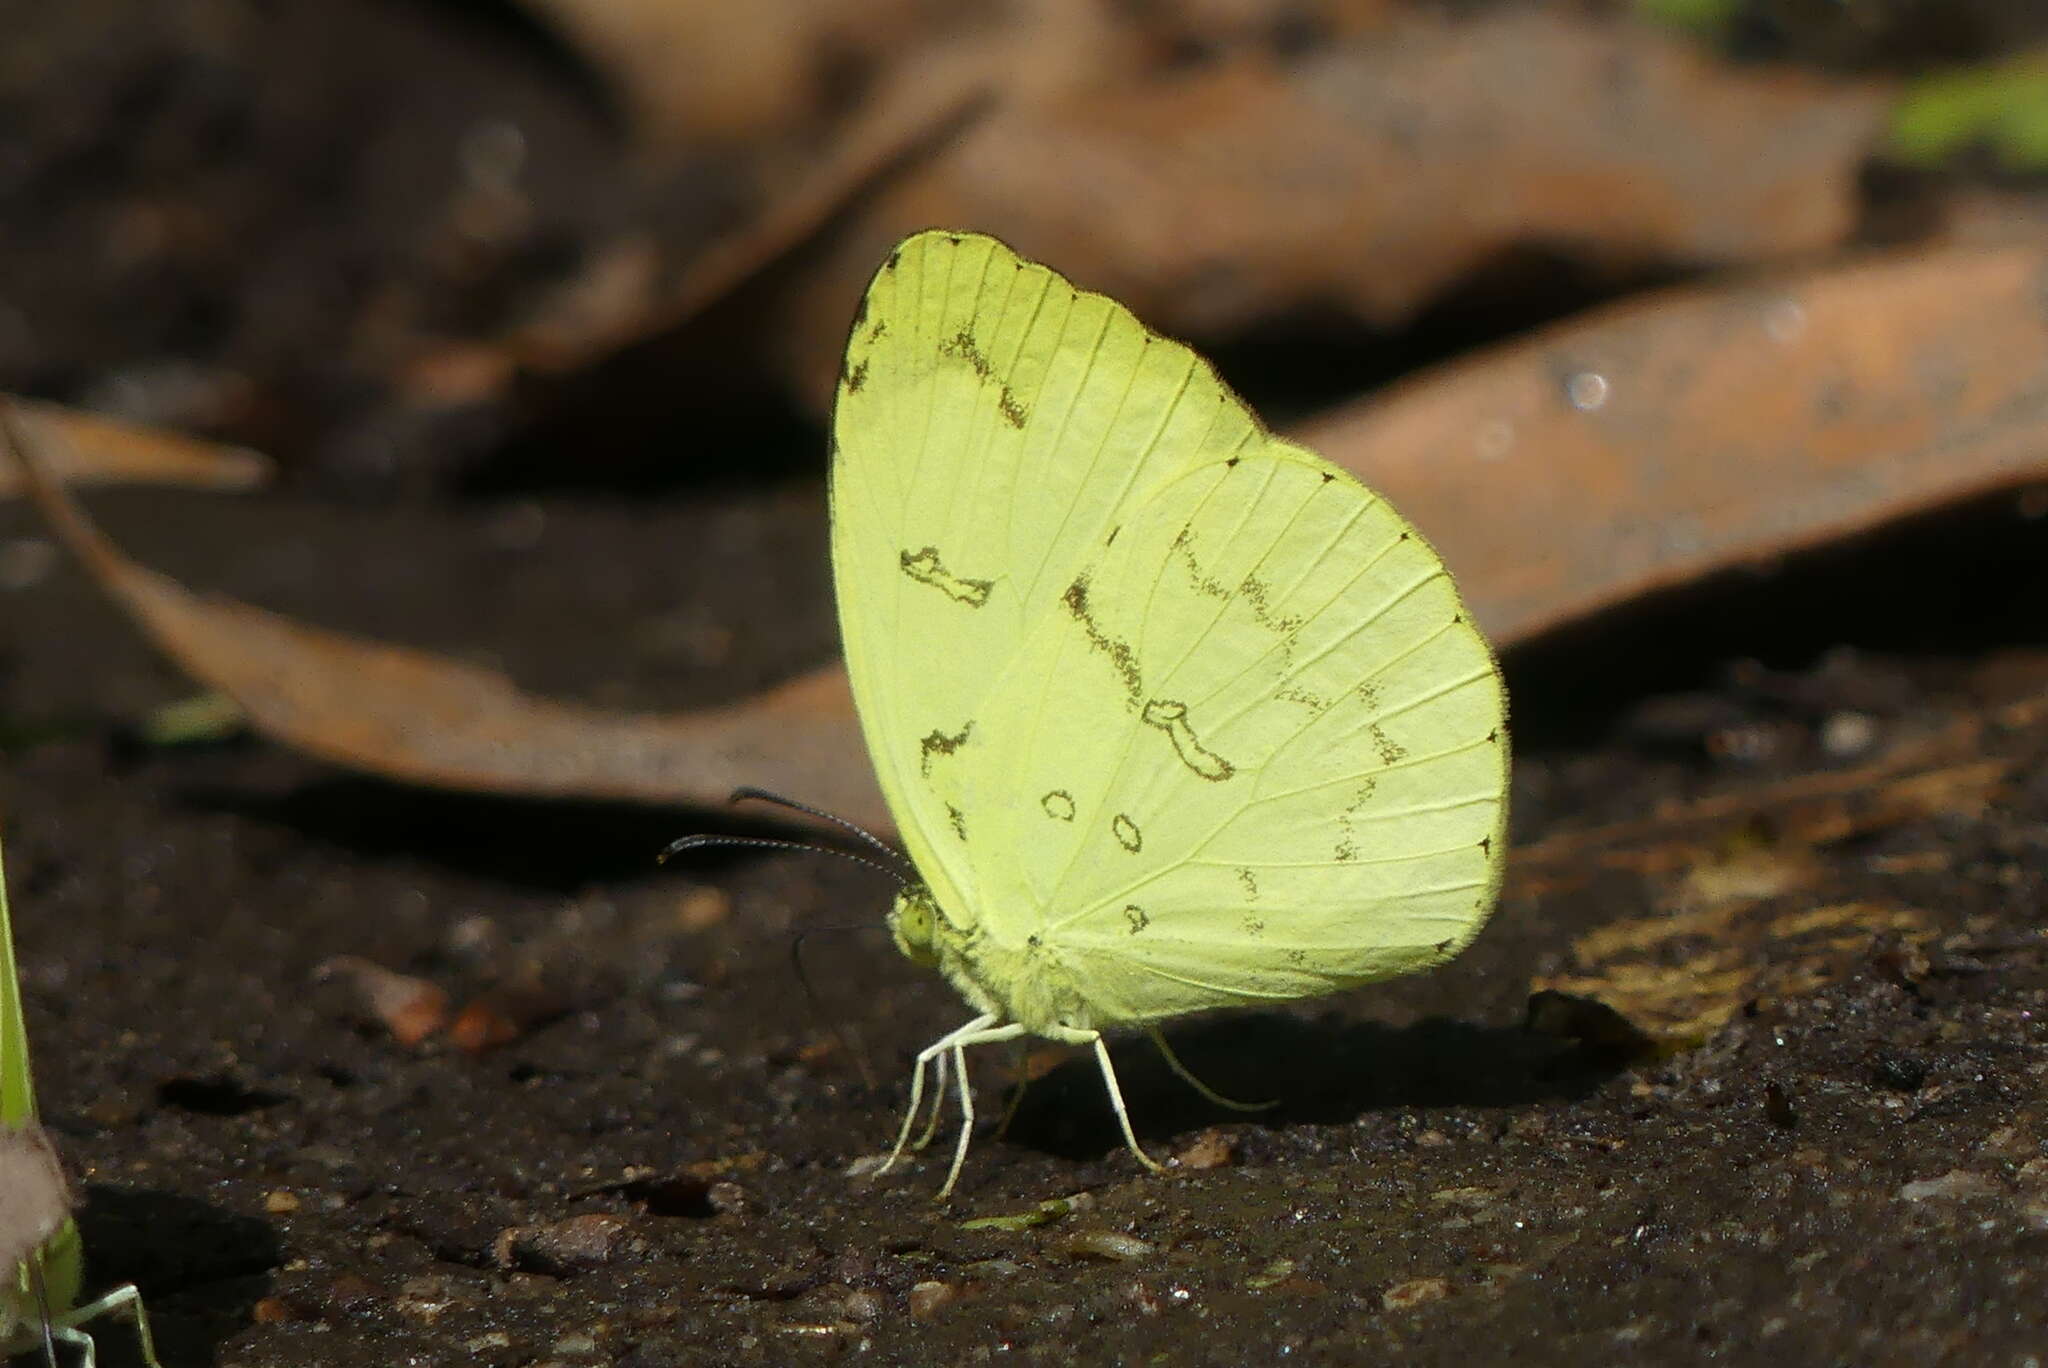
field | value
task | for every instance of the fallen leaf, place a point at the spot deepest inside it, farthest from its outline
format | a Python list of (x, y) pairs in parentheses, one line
[(1370, 174), (84, 448), (1669, 437), (1680, 975), (427, 720)]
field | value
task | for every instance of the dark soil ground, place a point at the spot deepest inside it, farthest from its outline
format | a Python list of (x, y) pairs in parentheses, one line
[(1854, 1173), (674, 1168)]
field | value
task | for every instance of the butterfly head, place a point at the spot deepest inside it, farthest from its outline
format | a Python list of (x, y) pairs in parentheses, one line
[(913, 921)]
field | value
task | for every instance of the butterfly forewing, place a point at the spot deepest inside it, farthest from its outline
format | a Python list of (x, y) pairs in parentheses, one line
[(993, 424)]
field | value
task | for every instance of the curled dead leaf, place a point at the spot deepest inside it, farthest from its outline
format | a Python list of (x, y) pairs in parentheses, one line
[(427, 720), (85, 448)]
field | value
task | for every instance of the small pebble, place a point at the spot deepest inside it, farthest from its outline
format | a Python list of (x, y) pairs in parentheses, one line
[(864, 1303), (1213, 1148), (425, 1298), (927, 1299), (561, 1247)]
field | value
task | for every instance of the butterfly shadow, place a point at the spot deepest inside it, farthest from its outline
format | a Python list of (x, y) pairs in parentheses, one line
[(554, 844), (1322, 1070), (201, 1270)]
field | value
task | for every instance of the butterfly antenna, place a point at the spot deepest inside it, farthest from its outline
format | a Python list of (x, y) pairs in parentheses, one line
[(743, 793), (683, 843)]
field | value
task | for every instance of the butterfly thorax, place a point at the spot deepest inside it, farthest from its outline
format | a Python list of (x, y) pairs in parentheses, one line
[(1024, 983)]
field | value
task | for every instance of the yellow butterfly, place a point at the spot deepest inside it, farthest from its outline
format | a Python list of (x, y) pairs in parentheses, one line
[(1171, 714)]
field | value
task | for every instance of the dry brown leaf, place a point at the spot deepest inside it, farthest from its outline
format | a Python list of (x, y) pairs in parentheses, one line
[(1730, 924), (1680, 975), (427, 720), (1372, 174), (1666, 438), (85, 448)]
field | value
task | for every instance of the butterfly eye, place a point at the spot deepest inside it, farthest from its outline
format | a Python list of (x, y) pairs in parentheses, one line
[(910, 921)]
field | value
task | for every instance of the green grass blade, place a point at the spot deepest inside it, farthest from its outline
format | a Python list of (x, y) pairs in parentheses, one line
[(17, 1087)]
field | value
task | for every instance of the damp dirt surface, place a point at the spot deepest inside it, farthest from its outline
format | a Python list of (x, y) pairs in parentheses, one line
[(672, 1162), (1835, 1149)]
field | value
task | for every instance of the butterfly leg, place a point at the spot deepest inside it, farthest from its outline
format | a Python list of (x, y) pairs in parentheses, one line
[(121, 1299), (1116, 1094), (79, 1340), (940, 1064), (935, 1050), (1187, 1077), (961, 1039)]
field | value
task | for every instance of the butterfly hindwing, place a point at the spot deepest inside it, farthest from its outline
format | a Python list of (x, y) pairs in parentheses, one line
[(1261, 754)]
